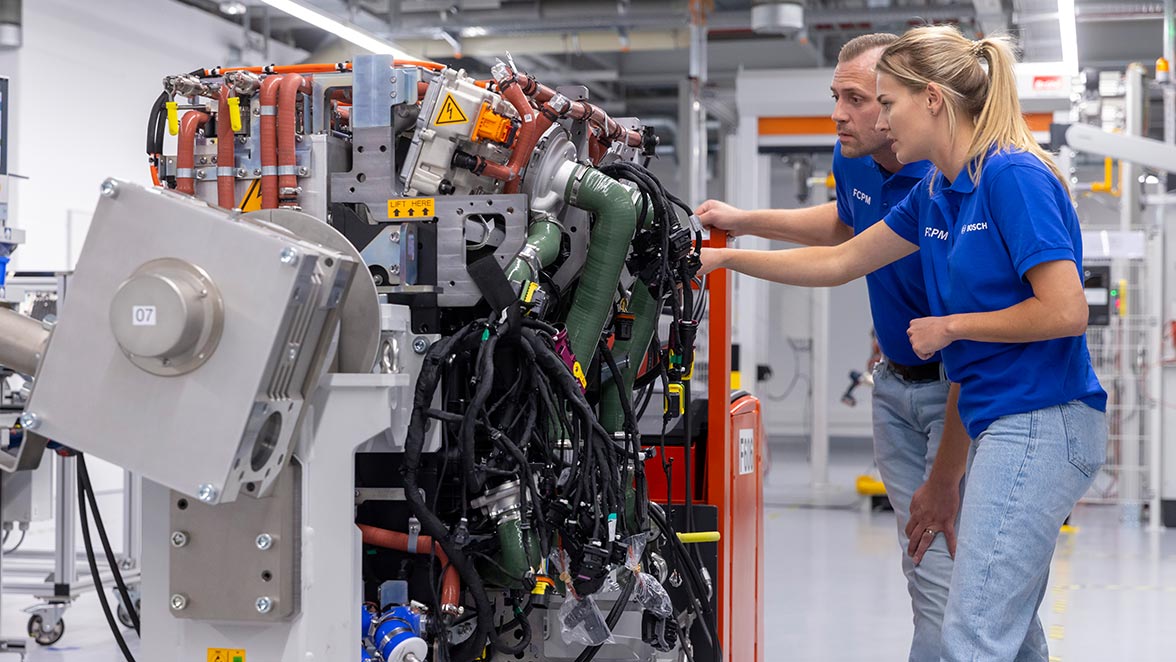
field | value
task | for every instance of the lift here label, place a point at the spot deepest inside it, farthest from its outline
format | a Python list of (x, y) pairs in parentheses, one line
[(412, 208)]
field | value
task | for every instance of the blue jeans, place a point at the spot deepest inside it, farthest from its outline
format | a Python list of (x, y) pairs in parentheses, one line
[(1025, 473), (908, 424)]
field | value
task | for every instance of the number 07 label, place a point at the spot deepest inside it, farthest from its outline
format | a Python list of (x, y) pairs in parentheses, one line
[(143, 315)]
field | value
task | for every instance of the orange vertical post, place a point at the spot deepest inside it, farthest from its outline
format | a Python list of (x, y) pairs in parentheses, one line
[(718, 456)]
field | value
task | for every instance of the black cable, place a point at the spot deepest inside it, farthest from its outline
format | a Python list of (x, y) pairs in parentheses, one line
[(99, 589), (154, 126), (84, 474), (18, 542)]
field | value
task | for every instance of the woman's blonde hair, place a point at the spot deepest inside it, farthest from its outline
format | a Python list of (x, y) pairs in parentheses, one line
[(940, 54)]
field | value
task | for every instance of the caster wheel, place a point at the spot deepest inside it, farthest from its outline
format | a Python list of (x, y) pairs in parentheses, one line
[(124, 616), (42, 636)]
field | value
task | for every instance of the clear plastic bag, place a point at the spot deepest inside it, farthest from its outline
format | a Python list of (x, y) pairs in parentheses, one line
[(581, 622), (650, 594), (635, 546)]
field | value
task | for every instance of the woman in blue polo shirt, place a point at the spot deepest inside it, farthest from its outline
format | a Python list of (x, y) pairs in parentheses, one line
[(1001, 251)]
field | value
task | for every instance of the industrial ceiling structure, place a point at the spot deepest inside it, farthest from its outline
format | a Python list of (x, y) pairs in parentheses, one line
[(633, 53)]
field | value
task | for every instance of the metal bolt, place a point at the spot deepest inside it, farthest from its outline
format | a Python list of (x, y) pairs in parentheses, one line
[(256, 112), (288, 256), (241, 172), (109, 189), (203, 160), (242, 139), (393, 79), (206, 493), (257, 171), (420, 345), (179, 539), (199, 174), (179, 602), (298, 138), (265, 541), (303, 171), (394, 269), (264, 605), (30, 420), (395, 237)]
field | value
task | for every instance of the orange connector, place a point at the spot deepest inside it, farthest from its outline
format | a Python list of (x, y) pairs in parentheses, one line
[(493, 127)]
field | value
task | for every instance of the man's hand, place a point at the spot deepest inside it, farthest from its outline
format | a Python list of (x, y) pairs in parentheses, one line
[(933, 511), (715, 214), (929, 335), (712, 258)]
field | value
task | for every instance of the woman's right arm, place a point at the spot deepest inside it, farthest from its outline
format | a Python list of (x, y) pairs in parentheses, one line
[(817, 266)]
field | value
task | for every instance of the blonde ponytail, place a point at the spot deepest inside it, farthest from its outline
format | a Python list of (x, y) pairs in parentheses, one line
[(944, 56)]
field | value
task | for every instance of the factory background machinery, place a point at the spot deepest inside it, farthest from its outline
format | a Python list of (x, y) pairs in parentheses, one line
[(427, 306)]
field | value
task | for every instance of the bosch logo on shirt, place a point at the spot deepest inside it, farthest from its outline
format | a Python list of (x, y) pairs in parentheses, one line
[(973, 227)]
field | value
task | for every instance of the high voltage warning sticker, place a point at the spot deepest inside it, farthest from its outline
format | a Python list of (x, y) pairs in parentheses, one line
[(450, 113), (252, 199), (226, 655), (411, 207)]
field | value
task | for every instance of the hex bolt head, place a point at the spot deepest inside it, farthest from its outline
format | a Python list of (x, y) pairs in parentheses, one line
[(302, 171), (265, 541), (288, 256), (241, 172), (242, 139), (109, 189), (179, 539), (179, 602), (264, 605), (420, 345), (257, 171), (200, 174), (394, 269), (206, 493), (395, 237), (30, 420)]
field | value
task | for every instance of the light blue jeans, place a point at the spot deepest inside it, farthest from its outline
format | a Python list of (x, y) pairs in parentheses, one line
[(1025, 473), (908, 424)]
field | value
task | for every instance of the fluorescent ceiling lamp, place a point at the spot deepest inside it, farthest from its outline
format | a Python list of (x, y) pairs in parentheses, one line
[(346, 31), (1069, 32)]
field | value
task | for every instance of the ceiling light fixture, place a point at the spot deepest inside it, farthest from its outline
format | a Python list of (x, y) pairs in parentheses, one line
[(344, 30), (232, 7), (1069, 33)]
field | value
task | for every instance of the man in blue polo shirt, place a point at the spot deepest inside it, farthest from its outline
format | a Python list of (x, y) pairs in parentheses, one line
[(911, 396)]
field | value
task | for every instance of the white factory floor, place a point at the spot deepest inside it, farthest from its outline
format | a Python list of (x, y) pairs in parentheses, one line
[(836, 592)]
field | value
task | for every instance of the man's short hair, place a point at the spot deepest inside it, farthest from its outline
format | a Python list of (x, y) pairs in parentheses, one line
[(865, 43)]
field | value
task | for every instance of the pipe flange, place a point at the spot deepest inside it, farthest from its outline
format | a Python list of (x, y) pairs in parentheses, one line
[(540, 182)]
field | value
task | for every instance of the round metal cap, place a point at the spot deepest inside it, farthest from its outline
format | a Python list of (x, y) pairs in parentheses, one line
[(167, 317)]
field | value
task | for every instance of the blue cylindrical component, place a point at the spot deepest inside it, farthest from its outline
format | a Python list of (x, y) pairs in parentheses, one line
[(367, 618), (398, 633)]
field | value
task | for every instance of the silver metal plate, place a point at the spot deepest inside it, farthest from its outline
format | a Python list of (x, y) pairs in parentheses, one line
[(221, 570), (359, 323)]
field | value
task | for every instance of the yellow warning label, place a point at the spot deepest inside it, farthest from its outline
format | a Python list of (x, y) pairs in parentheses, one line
[(252, 199), (450, 113), (226, 655), (412, 208)]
